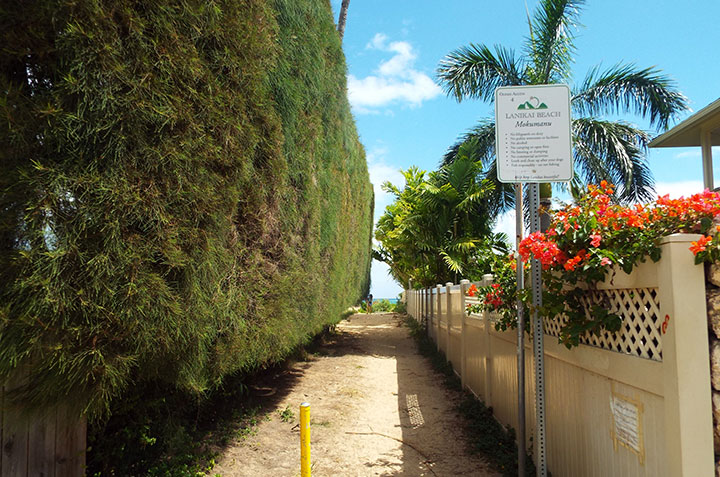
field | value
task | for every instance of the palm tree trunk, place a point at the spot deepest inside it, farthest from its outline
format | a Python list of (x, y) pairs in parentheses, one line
[(343, 18)]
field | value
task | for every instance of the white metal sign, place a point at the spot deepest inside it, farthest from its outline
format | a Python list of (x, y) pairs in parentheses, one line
[(533, 140)]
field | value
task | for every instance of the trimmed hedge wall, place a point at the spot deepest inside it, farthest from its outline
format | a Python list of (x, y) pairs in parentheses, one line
[(184, 194)]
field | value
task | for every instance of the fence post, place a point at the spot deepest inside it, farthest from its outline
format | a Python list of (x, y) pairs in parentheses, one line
[(421, 306), (448, 320), (486, 281), (686, 362), (431, 309), (464, 285), (438, 303), (428, 307)]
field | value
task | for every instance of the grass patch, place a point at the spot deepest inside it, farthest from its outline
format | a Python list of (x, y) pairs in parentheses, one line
[(483, 432), (286, 415)]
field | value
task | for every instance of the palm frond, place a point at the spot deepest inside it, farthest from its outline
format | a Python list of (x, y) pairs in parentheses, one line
[(501, 196), (390, 188), (464, 245), (625, 88), (475, 71), (550, 44), (453, 264), (615, 152), (478, 144), (471, 199)]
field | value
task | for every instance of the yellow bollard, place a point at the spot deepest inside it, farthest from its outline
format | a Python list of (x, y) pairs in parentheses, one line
[(305, 439)]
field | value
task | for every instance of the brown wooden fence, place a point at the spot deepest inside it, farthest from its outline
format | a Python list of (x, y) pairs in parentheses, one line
[(49, 446)]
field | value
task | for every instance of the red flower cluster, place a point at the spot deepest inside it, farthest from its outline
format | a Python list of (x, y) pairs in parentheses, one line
[(573, 262), (493, 297), (472, 290), (607, 220), (541, 247), (700, 245)]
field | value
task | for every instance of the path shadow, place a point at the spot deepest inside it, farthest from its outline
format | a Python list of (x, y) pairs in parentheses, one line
[(423, 403)]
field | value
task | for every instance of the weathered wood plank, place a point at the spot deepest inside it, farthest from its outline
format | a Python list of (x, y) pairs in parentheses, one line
[(41, 446), (70, 444), (14, 445), (14, 437), (2, 413)]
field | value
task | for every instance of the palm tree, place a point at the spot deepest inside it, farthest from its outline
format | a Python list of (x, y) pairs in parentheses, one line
[(603, 149)]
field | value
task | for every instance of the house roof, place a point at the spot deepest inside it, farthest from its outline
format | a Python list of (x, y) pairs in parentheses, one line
[(688, 132)]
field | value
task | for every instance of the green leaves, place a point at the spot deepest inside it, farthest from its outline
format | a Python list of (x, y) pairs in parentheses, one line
[(439, 225)]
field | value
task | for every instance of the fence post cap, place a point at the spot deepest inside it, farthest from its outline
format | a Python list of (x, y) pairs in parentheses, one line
[(464, 280), (488, 276)]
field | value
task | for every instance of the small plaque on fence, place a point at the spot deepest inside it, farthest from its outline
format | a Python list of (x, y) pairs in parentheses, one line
[(627, 424)]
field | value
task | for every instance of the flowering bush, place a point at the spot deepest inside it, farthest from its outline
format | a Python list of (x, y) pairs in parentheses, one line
[(585, 240)]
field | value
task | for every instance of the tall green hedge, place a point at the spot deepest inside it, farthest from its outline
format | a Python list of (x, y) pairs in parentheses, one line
[(183, 192)]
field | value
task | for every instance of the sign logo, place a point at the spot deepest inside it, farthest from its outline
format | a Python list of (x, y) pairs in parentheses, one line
[(532, 103)]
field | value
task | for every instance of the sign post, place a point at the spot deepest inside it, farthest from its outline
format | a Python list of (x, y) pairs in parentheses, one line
[(533, 143)]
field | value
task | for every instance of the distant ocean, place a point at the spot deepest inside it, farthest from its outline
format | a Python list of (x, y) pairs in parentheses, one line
[(391, 300)]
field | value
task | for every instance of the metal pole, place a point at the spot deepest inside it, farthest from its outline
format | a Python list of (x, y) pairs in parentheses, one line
[(520, 277), (535, 272)]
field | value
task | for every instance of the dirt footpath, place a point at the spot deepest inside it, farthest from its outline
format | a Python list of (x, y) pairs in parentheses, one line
[(377, 408)]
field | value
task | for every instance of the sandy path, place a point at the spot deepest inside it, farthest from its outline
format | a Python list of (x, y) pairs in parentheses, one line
[(377, 408)]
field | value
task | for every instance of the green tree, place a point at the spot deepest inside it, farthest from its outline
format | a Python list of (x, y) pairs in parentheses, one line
[(438, 226), (603, 149)]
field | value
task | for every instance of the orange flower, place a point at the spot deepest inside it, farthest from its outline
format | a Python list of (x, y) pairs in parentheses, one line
[(700, 245)]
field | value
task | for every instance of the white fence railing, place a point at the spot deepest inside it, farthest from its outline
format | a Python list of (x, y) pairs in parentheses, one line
[(631, 403)]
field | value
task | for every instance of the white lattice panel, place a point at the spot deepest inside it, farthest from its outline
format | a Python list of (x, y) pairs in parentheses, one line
[(640, 332)]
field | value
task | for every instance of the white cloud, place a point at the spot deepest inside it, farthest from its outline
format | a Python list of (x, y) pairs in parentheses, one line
[(378, 42), (677, 189), (395, 80), (695, 153), (380, 171)]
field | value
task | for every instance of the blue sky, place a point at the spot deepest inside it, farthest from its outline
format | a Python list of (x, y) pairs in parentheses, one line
[(393, 47)]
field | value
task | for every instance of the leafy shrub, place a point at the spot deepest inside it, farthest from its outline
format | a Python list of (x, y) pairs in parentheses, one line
[(383, 305), (183, 188)]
